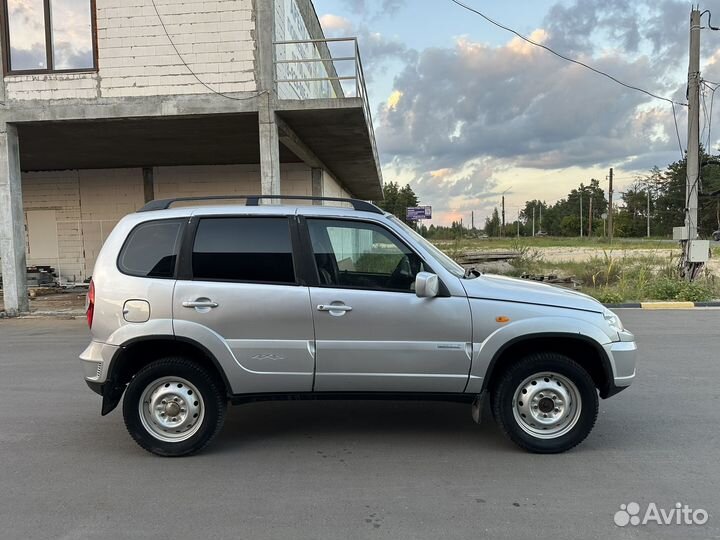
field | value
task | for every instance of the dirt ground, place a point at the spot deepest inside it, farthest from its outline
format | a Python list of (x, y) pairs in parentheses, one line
[(69, 301), (579, 254)]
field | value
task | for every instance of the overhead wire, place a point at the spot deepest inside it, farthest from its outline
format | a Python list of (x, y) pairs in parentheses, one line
[(708, 114), (582, 64), (195, 75)]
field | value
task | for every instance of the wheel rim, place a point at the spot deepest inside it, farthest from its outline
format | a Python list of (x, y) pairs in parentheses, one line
[(547, 405), (171, 409)]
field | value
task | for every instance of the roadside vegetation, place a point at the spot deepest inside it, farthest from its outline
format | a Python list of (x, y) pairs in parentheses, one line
[(633, 270), (629, 268)]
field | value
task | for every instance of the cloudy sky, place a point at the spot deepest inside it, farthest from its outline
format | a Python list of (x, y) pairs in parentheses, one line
[(464, 110)]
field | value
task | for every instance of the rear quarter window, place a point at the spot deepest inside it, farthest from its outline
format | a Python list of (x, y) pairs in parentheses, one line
[(151, 249)]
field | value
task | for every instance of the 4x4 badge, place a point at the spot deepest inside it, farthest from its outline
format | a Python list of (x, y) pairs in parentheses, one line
[(268, 357)]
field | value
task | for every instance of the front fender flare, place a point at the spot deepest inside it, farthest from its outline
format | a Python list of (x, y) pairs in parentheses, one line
[(489, 351)]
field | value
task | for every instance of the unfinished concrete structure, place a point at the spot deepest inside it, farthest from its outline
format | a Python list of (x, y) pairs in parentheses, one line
[(176, 98)]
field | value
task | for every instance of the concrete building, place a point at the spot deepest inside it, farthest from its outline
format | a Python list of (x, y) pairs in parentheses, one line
[(107, 104)]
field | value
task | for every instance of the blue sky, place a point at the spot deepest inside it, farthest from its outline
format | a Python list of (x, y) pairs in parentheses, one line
[(464, 110)]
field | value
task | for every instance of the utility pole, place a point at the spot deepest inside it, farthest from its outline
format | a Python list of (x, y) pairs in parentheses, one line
[(518, 223), (502, 228), (472, 220), (533, 227), (590, 219), (648, 211), (610, 206), (693, 145), (581, 223), (540, 224)]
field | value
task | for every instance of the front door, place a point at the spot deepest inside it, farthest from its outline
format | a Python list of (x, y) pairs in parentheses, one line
[(373, 334), (243, 288)]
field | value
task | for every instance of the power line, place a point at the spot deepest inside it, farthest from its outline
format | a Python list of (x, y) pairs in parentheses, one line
[(170, 39), (559, 55), (677, 131), (708, 115), (579, 63)]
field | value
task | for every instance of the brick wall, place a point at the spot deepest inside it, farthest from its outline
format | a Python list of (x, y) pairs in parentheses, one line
[(214, 37), (331, 187), (59, 191), (89, 203), (106, 196)]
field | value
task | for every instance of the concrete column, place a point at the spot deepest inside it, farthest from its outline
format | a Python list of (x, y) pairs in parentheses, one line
[(265, 35), (12, 224), (269, 152), (317, 183), (149, 184)]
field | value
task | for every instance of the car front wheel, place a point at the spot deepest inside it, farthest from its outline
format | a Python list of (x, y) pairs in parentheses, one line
[(173, 407), (546, 403)]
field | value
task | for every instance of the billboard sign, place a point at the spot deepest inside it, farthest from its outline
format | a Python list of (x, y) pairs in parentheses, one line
[(418, 213)]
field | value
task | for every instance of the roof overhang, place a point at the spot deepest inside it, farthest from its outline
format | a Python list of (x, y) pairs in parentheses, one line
[(142, 142), (339, 133)]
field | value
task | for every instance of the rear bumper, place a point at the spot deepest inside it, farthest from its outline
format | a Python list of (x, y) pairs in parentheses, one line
[(96, 360)]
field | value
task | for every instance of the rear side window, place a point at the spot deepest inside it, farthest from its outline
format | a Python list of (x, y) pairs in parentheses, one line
[(151, 249), (243, 249)]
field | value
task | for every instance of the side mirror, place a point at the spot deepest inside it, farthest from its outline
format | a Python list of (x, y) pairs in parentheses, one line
[(427, 285)]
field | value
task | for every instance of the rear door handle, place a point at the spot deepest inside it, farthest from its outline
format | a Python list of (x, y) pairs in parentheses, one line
[(200, 304), (323, 307)]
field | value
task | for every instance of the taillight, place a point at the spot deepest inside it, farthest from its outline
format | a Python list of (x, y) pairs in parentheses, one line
[(90, 303)]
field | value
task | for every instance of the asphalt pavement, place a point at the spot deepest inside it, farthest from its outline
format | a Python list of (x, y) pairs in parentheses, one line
[(357, 470)]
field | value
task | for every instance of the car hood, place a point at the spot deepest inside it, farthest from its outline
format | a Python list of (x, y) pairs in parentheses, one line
[(530, 292)]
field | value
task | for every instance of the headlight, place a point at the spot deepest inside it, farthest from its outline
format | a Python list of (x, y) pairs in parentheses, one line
[(613, 320)]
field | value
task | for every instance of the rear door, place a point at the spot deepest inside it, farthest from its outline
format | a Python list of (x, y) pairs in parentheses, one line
[(242, 286), (372, 332)]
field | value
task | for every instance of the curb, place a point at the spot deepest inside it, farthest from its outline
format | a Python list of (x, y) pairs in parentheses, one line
[(72, 314), (664, 305)]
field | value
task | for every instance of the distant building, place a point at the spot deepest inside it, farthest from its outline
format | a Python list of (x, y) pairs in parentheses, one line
[(106, 105)]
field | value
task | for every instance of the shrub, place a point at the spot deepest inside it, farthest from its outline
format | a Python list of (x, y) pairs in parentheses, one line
[(678, 289), (607, 295)]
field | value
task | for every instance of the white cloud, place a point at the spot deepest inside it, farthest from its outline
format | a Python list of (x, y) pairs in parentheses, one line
[(332, 24)]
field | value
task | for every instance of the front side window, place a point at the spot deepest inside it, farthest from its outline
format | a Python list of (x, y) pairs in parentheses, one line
[(362, 255), (257, 250), (151, 249), (49, 35)]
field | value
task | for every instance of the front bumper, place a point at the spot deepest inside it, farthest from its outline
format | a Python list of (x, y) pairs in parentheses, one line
[(622, 355)]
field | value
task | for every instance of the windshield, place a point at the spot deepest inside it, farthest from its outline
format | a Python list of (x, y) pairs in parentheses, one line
[(446, 262)]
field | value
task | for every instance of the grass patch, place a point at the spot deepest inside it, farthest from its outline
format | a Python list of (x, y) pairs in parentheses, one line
[(614, 279), (612, 275), (482, 244)]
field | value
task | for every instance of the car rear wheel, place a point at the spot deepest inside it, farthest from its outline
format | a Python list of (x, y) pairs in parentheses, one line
[(546, 403), (173, 407)]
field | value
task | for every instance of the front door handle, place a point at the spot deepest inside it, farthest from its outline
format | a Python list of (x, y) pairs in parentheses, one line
[(338, 308), (200, 304)]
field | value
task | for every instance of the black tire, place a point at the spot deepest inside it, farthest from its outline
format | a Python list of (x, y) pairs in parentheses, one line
[(213, 406), (540, 364)]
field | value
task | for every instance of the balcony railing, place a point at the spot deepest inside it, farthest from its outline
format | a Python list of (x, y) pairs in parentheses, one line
[(321, 69)]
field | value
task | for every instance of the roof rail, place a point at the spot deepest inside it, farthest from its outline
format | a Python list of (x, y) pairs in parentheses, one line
[(254, 200)]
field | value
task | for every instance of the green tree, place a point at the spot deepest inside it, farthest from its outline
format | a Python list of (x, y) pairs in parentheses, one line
[(397, 200), (492, 224), (532, 208)]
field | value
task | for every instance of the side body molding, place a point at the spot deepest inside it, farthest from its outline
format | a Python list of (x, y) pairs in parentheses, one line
[(241, 378)]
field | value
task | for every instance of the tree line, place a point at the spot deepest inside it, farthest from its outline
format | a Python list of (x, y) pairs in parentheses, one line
[(658, 195)]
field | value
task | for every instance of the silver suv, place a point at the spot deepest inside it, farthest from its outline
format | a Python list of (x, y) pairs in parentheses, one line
[(194, 307)]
